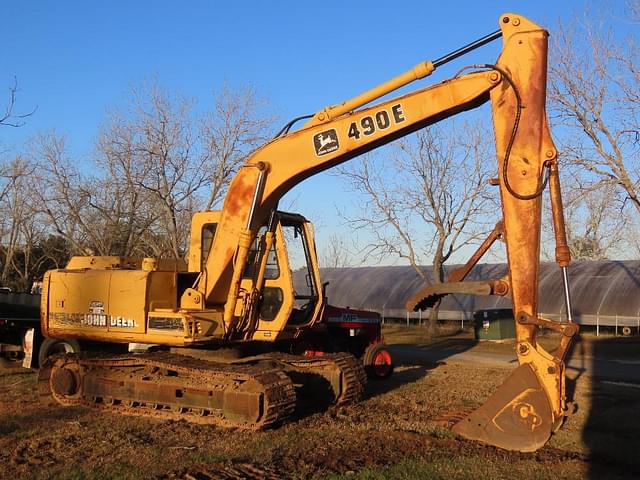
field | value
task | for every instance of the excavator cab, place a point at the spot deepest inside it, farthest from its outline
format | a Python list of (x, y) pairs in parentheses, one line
[(281, 272), (290, 298)]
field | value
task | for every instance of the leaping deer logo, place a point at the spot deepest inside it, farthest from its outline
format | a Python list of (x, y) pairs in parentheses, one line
[(326, 142)]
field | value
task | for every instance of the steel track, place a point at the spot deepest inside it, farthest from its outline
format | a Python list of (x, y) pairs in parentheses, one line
[(251, 394)]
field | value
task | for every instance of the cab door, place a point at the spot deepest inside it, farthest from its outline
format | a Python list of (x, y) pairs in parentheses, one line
[(291, 296)]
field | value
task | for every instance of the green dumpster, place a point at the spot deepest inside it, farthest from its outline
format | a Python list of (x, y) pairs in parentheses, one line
[(494, 324)]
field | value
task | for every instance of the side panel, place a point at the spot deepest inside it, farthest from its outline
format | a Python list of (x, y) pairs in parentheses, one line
[(77, 303), (101, 305), (162, 293), (126, 309), (116, 306)]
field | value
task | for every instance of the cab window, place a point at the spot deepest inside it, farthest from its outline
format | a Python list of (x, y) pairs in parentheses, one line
[(273, 270), (208, 232)]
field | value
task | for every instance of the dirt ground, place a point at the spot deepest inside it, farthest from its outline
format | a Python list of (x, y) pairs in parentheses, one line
[(393, 433)]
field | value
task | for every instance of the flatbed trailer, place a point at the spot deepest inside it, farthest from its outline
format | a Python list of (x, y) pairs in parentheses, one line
[(19, 329)]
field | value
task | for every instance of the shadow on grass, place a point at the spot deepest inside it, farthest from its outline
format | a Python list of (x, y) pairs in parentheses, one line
[(611, 431), (15, 422), (573, 373), (403, 375), (414, 361)]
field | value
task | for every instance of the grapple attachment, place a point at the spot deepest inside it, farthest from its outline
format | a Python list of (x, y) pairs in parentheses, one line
[(518, 416)]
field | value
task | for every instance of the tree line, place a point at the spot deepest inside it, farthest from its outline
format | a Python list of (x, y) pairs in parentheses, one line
[(156, 160)]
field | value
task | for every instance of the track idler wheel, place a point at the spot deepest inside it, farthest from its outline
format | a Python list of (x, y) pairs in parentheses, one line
[(517, 416), (64, 382)]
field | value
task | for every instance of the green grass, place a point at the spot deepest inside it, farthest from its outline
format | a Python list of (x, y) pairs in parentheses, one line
[(115, 471), (209, 458), (466, 468), (8, 426)]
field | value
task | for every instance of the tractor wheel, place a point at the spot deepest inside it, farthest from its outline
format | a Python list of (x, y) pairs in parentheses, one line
[(377, 361), (51, 346)]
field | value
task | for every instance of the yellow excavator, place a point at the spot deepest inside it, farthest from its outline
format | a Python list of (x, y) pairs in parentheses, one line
[(238, 288)]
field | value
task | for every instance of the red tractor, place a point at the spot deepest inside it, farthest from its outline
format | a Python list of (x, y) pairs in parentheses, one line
[(345, 329)]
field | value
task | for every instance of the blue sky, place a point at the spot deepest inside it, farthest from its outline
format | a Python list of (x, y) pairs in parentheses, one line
[(74, 60)]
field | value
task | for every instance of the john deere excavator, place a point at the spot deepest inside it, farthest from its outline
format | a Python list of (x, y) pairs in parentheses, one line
[(238, 288)]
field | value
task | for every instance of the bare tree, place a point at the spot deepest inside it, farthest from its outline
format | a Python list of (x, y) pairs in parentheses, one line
[(9, 118), (15, 209), (335, 253), (236, 126), (596, 228), (595, 104), (434, 204), (63, 198), (176, 161), (156, 161), (25, 245), (154, 147)]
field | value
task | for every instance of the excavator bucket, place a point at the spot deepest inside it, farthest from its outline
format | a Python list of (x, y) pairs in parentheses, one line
[(517, 416)]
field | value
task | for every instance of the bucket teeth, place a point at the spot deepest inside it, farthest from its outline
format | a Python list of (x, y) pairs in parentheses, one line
[(517, 416), (425, 302)]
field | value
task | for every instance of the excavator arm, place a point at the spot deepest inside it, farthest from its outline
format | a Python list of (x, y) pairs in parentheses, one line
[(531, 404)]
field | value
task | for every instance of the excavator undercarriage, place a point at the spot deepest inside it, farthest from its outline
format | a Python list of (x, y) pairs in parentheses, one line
[(252, 393)]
